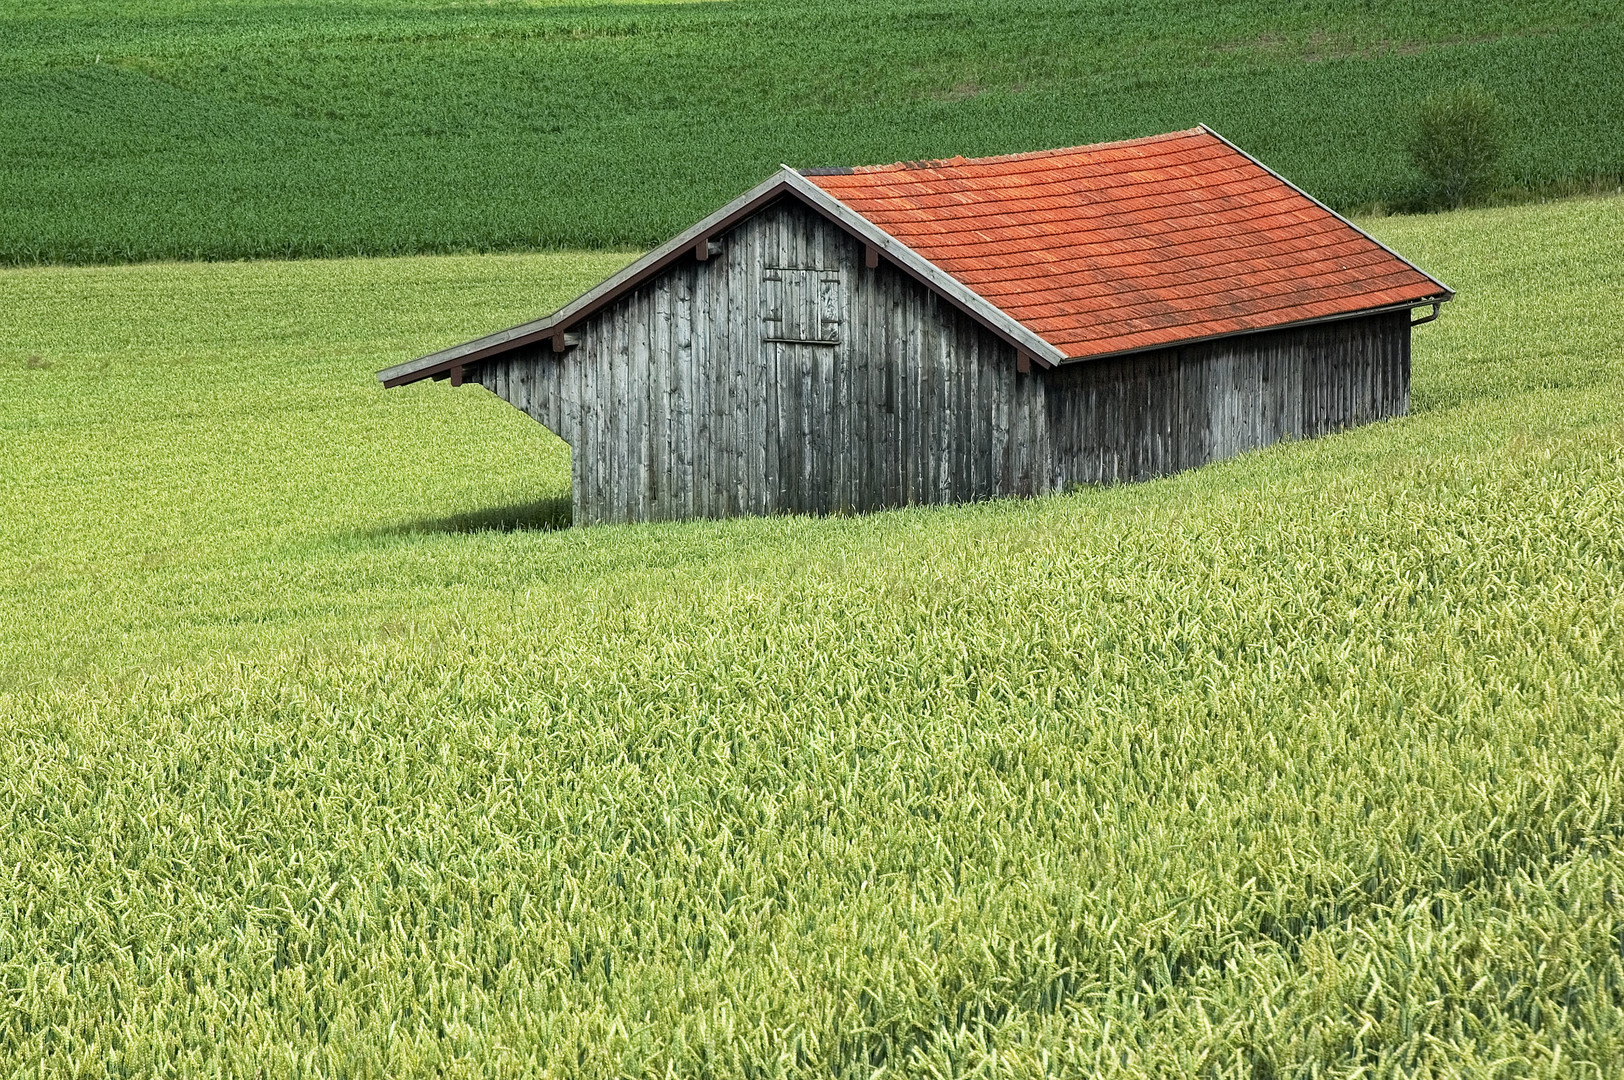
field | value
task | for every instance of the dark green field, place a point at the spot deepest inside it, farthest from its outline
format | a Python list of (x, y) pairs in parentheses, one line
[(156, 129)]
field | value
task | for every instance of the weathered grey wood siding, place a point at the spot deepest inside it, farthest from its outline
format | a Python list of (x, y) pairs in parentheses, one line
[(782, 375), (1153, 413)]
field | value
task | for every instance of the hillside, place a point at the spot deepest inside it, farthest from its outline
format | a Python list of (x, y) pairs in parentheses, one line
[(157, 129), (325, 753)]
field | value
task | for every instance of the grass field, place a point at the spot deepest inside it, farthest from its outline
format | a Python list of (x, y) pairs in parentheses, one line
[(1307, 763), (160, 129)]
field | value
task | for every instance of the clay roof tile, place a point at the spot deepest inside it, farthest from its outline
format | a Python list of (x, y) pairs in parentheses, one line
[(1132, 245)]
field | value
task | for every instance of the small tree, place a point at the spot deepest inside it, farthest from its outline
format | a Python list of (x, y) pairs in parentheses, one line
[(1457, 144)]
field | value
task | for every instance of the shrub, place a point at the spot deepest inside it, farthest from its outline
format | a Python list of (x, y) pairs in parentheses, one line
[(1456, 145)]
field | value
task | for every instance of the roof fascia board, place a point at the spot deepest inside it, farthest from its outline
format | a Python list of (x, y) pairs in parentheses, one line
[(1333, 213), (628, 276), (1407, 305), (971, 302)]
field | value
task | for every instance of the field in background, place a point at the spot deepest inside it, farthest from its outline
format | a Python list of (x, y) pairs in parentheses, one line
[(1312, 758), (153, 129)]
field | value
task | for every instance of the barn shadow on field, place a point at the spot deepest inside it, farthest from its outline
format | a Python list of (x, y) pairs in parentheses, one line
[(543, 515)]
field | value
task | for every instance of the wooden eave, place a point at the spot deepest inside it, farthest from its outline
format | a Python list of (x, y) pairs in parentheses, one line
[(1445, 293), (786, 183)]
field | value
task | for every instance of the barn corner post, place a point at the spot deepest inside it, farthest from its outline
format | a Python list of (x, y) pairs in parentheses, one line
[(856, 338)]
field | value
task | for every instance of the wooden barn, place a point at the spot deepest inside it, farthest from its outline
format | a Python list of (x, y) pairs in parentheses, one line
[(942, 331)]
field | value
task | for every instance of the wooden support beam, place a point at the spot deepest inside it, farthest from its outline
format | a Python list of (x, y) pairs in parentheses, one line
[(871, 256), (562, 341), (702, 249), (456, 375), (1023, 361)]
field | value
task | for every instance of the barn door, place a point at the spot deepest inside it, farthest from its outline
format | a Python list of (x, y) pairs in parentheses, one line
[(800, 330)]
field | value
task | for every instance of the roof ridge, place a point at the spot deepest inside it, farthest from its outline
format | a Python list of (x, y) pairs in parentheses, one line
[(999, 159), (1033, 232)]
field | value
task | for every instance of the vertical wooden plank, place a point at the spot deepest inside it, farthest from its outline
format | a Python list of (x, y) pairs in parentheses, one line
[(791, 389), (977, 431), (824, 377), (766, 247), (1339, 379), (808, 362), (932, 402), (924, 405), (866, 405), (1402, 376), (713, 360), (823, 362), (622, 449), (602, 416), (1002, 371), (1021, 435), (1398, 385), (614, 416), (1058, 420), (902, 312), (635, 399), (589, 504), (571, 404), (1402, 371), (704, 334), (980, 410), (731, 366), (682, 404), (959, 434), (662, 358), (570, 412), (708, 337), (746, 330), (670, 502), (603, 407), (895, 389), (718, 332), (648, 399), (1384, 374), (843, 257), (1361, 375), (615, 449), (658, 339), (1299, 391)]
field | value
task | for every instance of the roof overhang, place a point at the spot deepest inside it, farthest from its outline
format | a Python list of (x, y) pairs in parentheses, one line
[(627, 278), (1444, 291), (788, 183), (1269, 328)]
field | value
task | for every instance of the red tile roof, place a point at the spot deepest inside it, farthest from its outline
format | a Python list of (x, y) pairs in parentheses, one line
[(1130, 245)]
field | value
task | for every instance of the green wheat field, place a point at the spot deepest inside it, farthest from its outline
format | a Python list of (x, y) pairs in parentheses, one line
[(182, 129), (325, 751)]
